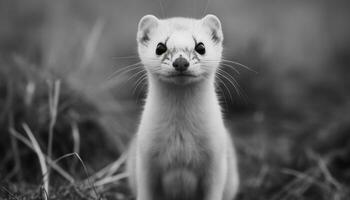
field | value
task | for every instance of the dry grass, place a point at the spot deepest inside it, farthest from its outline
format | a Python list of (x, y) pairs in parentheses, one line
[(82, 185)]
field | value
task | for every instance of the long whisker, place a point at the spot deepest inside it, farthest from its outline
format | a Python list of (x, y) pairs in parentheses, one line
[(229, 80), (223, 83), (231, 67), (136, 74), (113, 81), (236, 85), (240, 64), (133, 57), (142, 88), (221, 90), (127, 66), (231, 61), (239, 89), (139, 81), (125, 57), (124, 70)]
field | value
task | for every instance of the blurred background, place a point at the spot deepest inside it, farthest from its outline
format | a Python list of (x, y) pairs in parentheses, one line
[(59, 63)]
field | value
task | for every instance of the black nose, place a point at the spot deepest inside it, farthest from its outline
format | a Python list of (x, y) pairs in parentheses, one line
[(181, 64)]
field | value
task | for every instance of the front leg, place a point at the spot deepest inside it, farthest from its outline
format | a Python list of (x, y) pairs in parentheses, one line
[(216, 178), (143, 191), (144, 179)]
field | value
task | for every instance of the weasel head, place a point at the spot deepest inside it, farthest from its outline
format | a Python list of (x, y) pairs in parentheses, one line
[(180, 50)]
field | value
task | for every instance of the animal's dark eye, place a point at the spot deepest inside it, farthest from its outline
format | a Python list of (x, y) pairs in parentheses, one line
[(200, 48), (161, 48)]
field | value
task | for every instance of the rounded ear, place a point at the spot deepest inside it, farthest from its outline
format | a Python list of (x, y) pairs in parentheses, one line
[(146, 24), (214, 25)]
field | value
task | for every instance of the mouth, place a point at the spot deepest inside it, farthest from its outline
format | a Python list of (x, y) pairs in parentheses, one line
[(180, 78), (181, 74)]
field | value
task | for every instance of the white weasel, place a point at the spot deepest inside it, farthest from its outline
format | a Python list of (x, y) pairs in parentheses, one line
[(182, 150)]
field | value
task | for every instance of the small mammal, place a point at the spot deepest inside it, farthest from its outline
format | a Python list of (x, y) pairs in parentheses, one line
[(182, 150)]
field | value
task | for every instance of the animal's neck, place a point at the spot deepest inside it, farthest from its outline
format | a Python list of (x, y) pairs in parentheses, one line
[(190, 103)]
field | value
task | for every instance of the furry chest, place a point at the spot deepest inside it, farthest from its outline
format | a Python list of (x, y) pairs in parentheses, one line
[(180, 150)]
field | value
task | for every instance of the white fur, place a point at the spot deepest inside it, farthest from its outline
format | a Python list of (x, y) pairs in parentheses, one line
[(181, 127)]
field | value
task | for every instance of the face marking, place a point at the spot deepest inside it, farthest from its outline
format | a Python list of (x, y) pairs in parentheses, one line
[(181, 36), (194, 39)]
